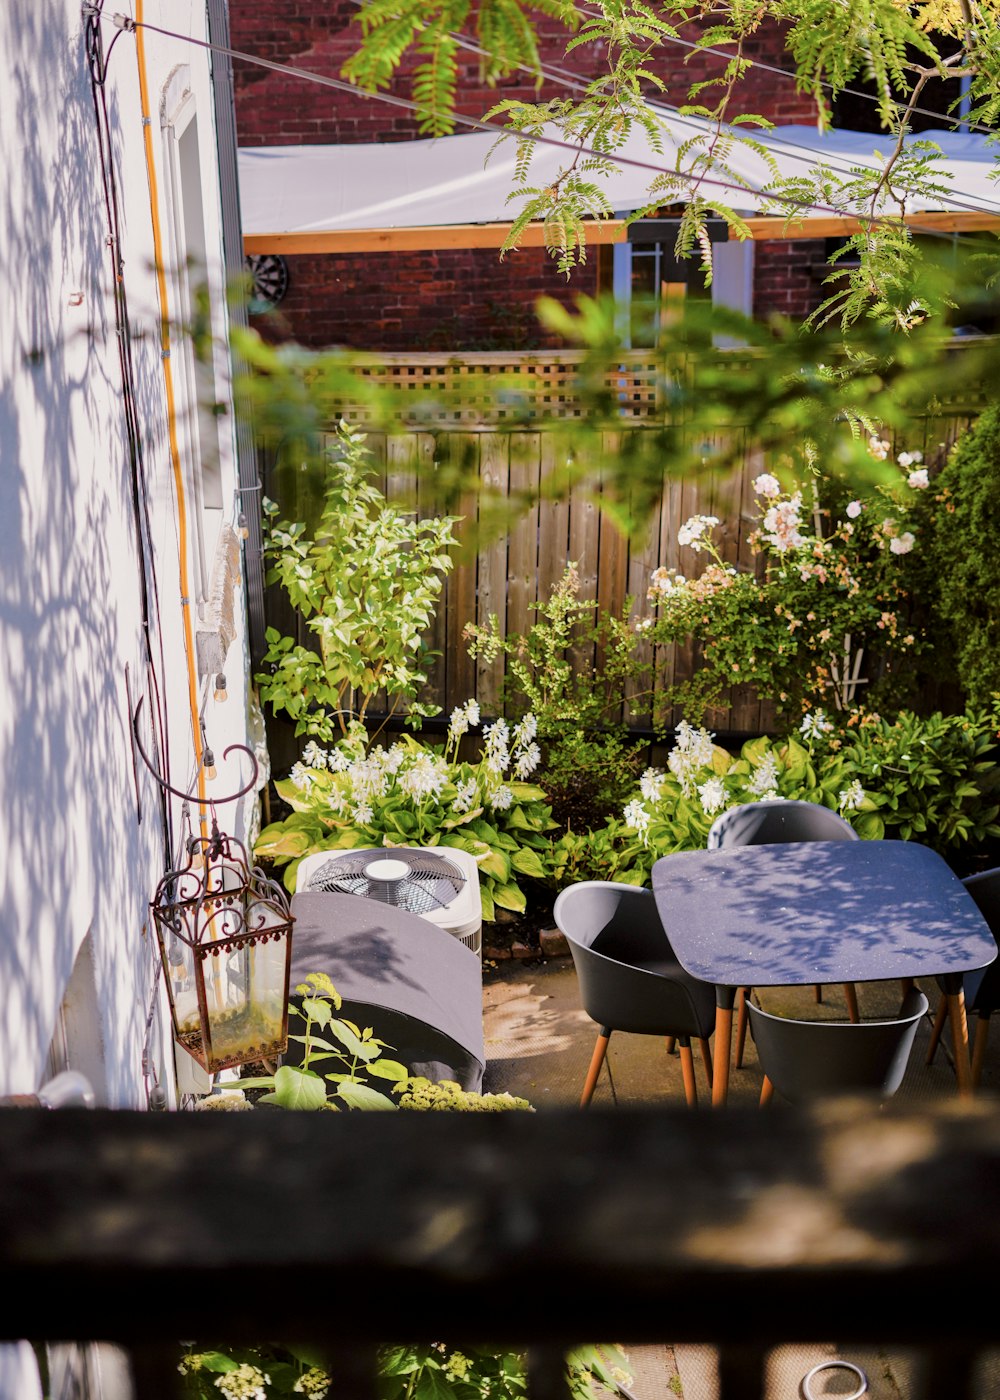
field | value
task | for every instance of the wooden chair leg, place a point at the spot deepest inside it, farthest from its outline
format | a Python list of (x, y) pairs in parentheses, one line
[(851, 997), (596, 1061), (940, 1018), (706, 1055), (766, 1092), (979, 1047), (741, 1025), (687, 1071)]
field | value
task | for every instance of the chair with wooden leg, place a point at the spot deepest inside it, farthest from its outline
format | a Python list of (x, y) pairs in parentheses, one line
[(806, 1060), (629, 978), (776, 821), (981, 988)]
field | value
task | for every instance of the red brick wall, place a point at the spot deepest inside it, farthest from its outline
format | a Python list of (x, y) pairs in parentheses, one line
[(467, 299)]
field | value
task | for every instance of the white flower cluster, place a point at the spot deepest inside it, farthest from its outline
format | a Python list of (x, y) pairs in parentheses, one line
[(693, 749), (312, 1382), (637, 817), (781, 524), (815, 724), (850, 798), (662, 583), (651, 784), (692, 531), (713, 795), (463, 718), (767, 486), (763, 783), (245, 1383)]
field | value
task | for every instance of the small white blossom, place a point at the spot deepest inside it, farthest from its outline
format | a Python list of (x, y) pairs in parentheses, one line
[(906, 459), (918, 479), (851, 797), (815, 724), (464, 797), (879, 448), (650, 784), (501, 799), (765, 776), (902, 544), (459, 723), (713, 796), (527, 760), (692, 530), (636, 816), (245, 1383), (526, 729), (767, 485), (781, 524), (423, 778), (313, 755), (337, 761), (664, 582), (854, 509), (312, 1382), (472, 712), (301, 777), (363, 813)]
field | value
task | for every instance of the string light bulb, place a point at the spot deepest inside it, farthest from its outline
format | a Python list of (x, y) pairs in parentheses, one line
[(208, 763), (221, 693), (243, 525)]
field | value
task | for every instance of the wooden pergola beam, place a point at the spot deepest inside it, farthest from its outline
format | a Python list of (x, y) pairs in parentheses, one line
[(427, 237)]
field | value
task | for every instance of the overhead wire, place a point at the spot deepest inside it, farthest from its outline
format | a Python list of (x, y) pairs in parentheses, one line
[(789, 203)]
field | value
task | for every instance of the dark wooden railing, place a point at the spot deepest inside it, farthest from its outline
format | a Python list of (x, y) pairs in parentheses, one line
[(734, 1228)]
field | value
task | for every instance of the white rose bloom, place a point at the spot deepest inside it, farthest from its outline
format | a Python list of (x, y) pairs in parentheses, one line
[(902, 544), (918, 479), (905, 458), (853, 510)]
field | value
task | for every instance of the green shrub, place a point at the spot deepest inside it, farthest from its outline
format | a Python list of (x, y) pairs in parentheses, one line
[(966, 557)]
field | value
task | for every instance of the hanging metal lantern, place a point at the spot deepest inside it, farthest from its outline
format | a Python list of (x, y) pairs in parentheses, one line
[(225, 933)]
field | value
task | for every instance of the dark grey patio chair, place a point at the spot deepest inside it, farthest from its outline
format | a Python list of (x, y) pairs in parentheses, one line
[(773, 822), (981, 988), (804, 1060), (628, 975)]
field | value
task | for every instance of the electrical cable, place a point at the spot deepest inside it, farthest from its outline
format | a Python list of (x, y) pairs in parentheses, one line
[(790, 203), (97, 61)]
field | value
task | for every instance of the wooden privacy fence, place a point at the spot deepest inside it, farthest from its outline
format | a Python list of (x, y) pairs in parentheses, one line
[(457, 414)]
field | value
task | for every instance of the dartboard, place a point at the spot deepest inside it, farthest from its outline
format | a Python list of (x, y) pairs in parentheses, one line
[(270, 280)]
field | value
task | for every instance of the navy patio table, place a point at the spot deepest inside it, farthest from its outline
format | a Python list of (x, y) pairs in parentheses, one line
[(820, 912)]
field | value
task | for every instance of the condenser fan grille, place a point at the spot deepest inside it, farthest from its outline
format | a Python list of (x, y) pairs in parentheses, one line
[(414, 881)]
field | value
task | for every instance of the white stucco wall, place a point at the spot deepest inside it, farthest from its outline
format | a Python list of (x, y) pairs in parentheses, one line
[(75, 862)]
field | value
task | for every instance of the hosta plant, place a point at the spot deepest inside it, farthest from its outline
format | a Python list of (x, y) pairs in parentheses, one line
[(412, 794), (675, 808)]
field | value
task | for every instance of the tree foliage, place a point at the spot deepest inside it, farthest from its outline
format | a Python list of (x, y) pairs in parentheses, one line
[(902, 49)]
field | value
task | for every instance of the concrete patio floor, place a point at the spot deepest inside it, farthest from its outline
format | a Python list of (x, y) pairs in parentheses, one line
[(538, 1046)]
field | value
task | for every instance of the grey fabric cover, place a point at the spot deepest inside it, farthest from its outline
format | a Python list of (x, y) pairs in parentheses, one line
[(418, 987)]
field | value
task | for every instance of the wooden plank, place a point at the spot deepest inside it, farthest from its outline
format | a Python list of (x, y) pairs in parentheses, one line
[(658, 1212), (429, 506), (553, 515), (522, 548), (460, 591), (643, 558), (584, 549), (421, 236), (775, 228), (612, 565), (491, 597)]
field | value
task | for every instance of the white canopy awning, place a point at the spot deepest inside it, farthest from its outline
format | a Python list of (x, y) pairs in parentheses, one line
[(450, 191)]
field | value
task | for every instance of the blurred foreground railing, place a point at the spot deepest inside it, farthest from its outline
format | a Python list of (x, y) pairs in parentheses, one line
[(735, 1228)]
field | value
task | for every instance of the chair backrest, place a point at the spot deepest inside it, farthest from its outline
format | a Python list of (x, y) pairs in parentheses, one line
[(982, 989), (629, 976), (811, 1059), (776, 821)]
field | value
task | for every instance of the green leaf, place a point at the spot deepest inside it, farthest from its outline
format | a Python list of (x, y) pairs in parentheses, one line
[(388, 1069), (295, 1088), (526, 862), (510, 897), (363, 1096)]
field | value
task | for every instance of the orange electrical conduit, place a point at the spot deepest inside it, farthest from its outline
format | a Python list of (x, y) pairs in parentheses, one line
[(168, 378)]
